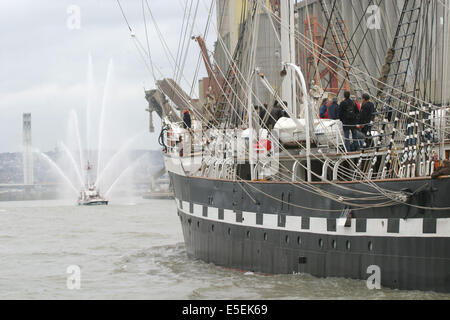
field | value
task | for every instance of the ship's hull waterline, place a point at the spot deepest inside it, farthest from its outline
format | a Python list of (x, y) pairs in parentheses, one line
[(238, 225)]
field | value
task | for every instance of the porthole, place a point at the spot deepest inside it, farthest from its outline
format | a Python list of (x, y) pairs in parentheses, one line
[(229, 231), (334, 244), (299, 241), (289, 201), (370, 246), (212, 228), (265, 236), (248, 234), (321, 243), (286, 239), (348, 245), (198, 224)]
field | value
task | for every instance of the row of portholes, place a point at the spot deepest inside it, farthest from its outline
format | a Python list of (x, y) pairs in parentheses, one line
[(299, 239), (348, 244), (286, 239)]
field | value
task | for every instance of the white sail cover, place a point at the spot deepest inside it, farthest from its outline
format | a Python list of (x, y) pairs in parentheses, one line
[(325, 130)]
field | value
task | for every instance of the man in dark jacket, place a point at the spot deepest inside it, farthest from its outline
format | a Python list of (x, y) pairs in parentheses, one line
[(323, 110), (333, 110), (284, 114), (275, 114), (348, 114), (187, 124), (366, 116), (262, 114)]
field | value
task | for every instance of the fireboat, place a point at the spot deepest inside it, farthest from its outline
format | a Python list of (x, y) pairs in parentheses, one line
[(90, 196)]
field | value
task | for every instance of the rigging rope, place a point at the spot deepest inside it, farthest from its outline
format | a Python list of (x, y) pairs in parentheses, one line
[(144, 50)]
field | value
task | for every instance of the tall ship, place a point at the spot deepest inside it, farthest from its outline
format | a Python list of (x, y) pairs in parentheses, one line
[(264, 183)]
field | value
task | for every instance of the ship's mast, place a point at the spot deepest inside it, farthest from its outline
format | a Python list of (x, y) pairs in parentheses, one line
[(88, 181), (289, 85), (288, 54), (252, 125)]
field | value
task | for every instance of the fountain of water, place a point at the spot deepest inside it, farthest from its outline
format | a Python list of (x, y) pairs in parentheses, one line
[(102, 116), (115, 157), (58, 170), (124, 172), (74, 117), (75, 165)]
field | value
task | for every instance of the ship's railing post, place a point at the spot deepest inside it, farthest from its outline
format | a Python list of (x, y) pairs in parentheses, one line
[(255, 171), (427, 168), (421, 169), (230, 162), (341, 142), (336, 169), (294, 171), (307, 118), (264, 167), (384, 173), (325, 170)]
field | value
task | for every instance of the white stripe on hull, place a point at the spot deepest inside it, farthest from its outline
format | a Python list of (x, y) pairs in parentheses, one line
[(375, 227)]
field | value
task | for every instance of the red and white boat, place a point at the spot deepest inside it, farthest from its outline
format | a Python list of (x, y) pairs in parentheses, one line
[(90, 196)]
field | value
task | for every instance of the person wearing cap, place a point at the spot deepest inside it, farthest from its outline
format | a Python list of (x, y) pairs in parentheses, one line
[(187, 123)]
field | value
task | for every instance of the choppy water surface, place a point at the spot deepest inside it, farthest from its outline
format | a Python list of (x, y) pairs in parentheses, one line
[(134, 249)]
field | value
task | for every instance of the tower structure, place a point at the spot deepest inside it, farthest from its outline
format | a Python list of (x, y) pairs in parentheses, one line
[(27, 154)]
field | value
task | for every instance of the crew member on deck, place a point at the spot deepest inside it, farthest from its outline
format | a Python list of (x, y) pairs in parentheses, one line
[(187, 124), (356, 101), (275, 114), (348, 114), (284, 113), (333, 110), (323, 111), (366, 116)]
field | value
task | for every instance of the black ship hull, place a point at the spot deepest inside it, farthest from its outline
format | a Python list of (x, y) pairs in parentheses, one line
[(267, 227)]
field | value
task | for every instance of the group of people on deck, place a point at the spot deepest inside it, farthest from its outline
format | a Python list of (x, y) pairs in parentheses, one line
[(355, 117)]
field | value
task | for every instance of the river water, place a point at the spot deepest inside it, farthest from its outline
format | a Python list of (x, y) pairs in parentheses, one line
[(133, 249)]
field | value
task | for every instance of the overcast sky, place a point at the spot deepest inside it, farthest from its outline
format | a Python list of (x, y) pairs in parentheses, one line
[(44, 66)]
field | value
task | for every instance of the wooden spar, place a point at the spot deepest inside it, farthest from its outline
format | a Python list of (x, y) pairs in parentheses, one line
[(212, 77)]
